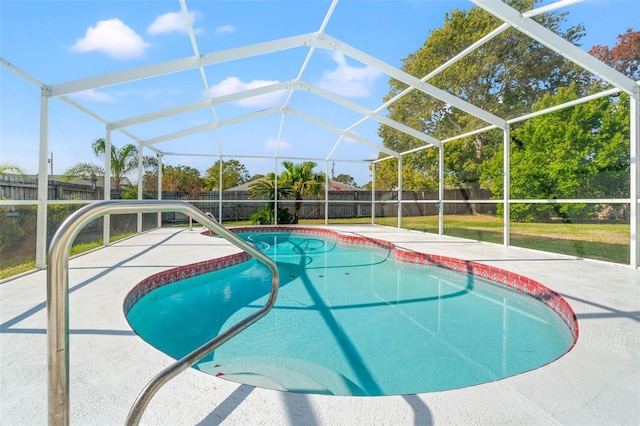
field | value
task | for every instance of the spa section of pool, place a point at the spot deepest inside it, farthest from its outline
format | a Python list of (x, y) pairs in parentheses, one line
[(354, 316)]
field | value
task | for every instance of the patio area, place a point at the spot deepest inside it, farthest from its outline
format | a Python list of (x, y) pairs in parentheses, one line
[(596, 383)]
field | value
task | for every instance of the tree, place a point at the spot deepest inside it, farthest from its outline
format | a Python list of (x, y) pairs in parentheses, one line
[(303, 182), (8, 167), (346, 179), (265, 188), (577, 152), (234, 173), (123, 161), (506, 76), (295, 182), (182, 179), (185, 180), (624, 56)]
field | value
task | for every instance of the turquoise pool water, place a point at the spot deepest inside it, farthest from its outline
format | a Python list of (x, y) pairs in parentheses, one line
[(350, 320)]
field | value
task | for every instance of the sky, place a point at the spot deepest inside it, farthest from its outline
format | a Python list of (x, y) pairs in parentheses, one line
[(60, 41)]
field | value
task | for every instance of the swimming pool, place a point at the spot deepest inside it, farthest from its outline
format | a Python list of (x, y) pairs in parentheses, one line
[(355, 316)]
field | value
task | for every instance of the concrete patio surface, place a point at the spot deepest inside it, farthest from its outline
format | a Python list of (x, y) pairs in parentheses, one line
[(596, 383)]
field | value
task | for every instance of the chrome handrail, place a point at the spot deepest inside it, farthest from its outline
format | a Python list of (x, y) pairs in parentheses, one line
[(58, 301)]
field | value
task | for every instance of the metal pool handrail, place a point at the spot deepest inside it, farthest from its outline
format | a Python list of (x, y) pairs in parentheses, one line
[(58, 301)]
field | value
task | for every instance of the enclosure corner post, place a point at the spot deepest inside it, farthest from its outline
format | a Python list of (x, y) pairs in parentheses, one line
[(43, 181), (106, 220), (373, 193), (159, 188), (507, 186), (400, 191), (441, 191), (326, 192), (140, 175), (634, 142)]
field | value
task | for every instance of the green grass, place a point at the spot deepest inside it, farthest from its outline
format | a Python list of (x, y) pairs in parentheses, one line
[(596, 240), (19, 268), (29, 264), (608, 241)]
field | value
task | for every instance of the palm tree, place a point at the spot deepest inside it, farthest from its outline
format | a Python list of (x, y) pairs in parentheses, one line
[(264, 188), (302, 181), (123, 161), (296, 182), (8, 167)]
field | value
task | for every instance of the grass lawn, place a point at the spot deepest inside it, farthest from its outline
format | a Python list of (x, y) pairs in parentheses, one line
[(606, 241), (28, 264), (597, 240)]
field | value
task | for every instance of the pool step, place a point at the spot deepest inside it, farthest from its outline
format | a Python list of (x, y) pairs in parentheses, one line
[(285, 374)]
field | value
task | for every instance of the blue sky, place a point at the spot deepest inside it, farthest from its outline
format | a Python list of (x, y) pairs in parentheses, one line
[(59, 41)]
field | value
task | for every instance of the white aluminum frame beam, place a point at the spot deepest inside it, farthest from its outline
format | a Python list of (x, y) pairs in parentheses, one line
[(292, 85), (341, 131), (556, 43), (328, 42), (367, 112), (178, 65), (195, 106), (263, 113), (210, 126)]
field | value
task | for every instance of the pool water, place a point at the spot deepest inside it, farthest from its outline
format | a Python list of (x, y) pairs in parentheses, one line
[(350, 320)]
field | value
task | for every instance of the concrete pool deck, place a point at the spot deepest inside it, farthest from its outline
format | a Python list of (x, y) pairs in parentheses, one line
[(596, 383)]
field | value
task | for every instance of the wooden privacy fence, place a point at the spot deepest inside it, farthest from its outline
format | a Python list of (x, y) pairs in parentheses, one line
[(16, 187), (237, 206)]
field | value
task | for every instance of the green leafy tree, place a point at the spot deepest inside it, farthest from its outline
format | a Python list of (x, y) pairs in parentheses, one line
[(123, 161), (182, 179), (577, 152), (346, 179), (234, 173), (506, 76), (185, 180)]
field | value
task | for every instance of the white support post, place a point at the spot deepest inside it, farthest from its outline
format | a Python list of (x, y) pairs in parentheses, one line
[(159, 188), (43, 181), (275, 194), (634, 140), (373, 193), (326, 192), (507, 186), (221, 164), (400, 191), (106, 219), (140, 175), (441, 191)]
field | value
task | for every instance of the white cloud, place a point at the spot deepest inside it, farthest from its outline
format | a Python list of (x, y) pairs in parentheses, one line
[(272, 144), (112, 37), (172, 22), (93, 95), (345, 80), (225, 29), (234, 85)]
